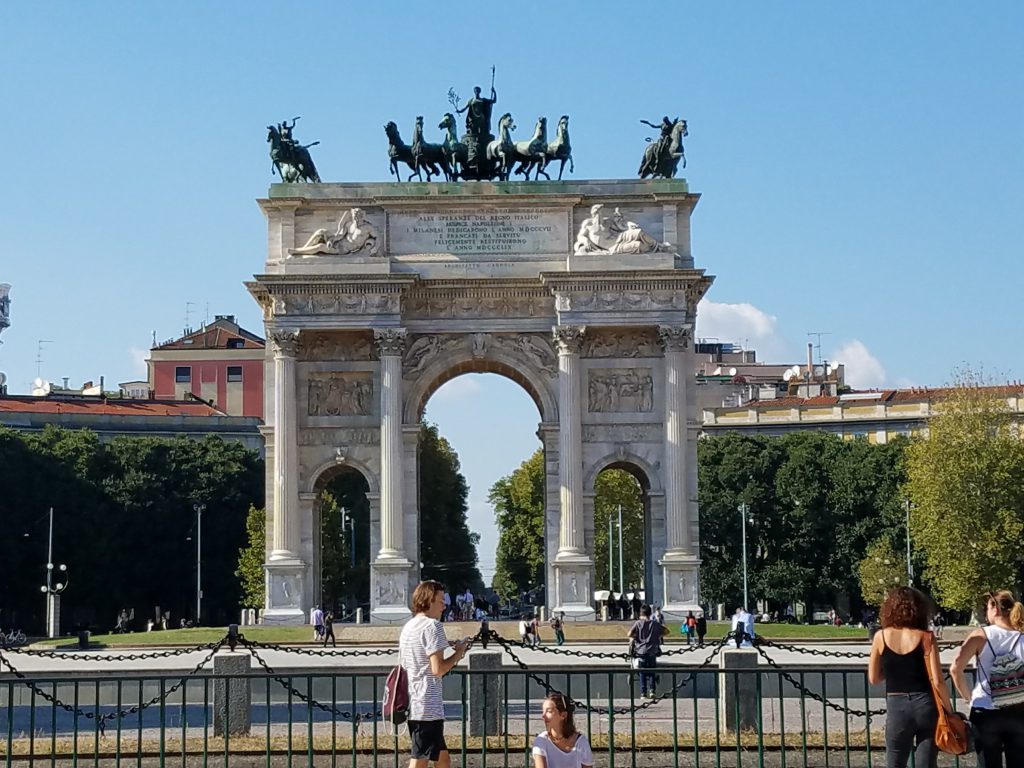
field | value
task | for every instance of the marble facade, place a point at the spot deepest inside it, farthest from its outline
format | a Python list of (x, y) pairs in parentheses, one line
[(479, 277)]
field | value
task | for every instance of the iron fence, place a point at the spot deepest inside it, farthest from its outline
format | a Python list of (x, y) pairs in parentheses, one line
[(702, 714)]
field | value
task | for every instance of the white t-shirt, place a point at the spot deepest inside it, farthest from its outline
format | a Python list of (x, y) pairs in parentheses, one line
[(1004, 641), (579, 755), (421, 637), (524, 628)]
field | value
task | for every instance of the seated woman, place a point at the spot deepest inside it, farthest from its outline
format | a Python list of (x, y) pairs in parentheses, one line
[(560, 745)]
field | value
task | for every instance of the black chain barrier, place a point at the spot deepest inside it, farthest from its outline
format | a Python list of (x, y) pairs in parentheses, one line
[(251, 646), (333, 653), (140, 656), (577, 704), (101, 720), (834, 654)]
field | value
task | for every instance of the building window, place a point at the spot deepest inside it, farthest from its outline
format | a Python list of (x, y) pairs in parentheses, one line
[(183, 374), (234, 373), (236, 343)]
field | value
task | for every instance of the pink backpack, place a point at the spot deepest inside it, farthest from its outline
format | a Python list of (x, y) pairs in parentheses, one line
[(395, 706)]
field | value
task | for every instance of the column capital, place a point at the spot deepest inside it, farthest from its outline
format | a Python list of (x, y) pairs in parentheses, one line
[(390, 341), (675, 338), (568, 338), (286, 342)]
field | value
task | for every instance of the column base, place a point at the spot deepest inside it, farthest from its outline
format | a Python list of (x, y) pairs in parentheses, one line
[(573, 594), (681, 582), (285, 587), (389, 593)]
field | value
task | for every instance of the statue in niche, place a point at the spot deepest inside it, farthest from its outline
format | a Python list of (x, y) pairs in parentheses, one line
[(614, 235), (354, 235)]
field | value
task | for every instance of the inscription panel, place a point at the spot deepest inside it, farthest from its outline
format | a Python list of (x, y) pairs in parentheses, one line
[(493, 232)]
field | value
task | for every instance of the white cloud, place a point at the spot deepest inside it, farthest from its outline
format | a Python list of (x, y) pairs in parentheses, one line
[(863, 370), (742, 324), (458, 388), (138, 357)]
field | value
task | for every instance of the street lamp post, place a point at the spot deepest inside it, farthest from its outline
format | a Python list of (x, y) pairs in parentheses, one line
[(199, 508), (622, 582), (51, 590), (910, 567), (743, 517)]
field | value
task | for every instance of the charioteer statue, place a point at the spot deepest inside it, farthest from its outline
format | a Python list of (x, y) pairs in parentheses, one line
[(662, 156), (289, 159), (478, 134)]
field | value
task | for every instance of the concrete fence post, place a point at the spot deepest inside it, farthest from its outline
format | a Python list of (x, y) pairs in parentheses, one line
[(231, 698), (486, 689), (737, 699)]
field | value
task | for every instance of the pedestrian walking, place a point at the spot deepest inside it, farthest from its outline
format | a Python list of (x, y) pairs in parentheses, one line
[(329, 629), (560, 745), (691, 629), (702, 629), (316, 618), (524, 630), (421, 650), (997, 698), (535, 629), (904, 655), (645, 647), (558, 625)]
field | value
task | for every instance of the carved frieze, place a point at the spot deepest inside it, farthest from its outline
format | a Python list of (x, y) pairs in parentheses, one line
[(340, 436), (675, 338), (424, 349), (620, 390), (534, 348), (340, 394), (620, 301), (338, 346), (575, 586), (621, 342), (391, 589), (338, 304), (622, 433), (477, 306)]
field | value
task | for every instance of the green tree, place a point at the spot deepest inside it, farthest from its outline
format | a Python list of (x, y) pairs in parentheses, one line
[(345, 542), (518, 501), (880, 570), (448, 548), (615, 487), (251, 558), (335, 552), (964, 480)]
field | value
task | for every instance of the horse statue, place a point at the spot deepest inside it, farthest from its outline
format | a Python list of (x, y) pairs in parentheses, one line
[(400, 152), (661, 158), (502, 150), (429, 156), (456, 152), (560, 149), (290, 160), (530, 154)]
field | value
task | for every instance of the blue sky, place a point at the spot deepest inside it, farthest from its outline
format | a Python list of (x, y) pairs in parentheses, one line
[(861, 166)]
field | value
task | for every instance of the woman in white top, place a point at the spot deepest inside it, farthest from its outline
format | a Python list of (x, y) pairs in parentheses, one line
[(998, 719), (560, 745)]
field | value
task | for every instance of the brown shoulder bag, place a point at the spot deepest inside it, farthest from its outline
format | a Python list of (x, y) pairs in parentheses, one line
[(951, 729)]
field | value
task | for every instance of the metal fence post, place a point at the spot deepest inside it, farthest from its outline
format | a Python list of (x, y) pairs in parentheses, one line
[(737, 698), (486, 690), (231, 697)]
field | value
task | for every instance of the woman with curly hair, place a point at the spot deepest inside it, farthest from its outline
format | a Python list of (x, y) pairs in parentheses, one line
[(997, 699), (901, 654)]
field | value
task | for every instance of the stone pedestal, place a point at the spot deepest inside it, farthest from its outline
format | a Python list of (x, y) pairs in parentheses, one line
[(285, 586), (486, 693), (389, 591), (231, 697), (737, 699)]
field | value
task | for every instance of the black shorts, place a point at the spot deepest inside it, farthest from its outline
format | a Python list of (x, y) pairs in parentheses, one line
[(427, 739)]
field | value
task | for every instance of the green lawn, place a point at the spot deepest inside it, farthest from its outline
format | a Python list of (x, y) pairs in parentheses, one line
[(347, 633)]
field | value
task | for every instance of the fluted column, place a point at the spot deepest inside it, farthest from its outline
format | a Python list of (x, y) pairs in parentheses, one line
[(570, 461), (676, 340), (286, 475), (391, 343)]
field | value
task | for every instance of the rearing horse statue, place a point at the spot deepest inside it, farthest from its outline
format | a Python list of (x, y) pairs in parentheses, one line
[(661, 160), (502, 149), (400, 152), (429, 156), (455, 151), (530, 154), (291, 161), (560, 149)]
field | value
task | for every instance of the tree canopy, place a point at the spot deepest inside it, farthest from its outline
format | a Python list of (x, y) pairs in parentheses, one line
[(964, 480)]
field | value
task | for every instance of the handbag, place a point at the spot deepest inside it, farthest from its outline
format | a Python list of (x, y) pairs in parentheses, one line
[(395, 706), (951, 728)]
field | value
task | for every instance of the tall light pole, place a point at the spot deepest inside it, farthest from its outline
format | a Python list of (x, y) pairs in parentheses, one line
[(910, 567), (51, 590), (743, 517), (348, 518), (611, 547), (199, 508), (622, 582)]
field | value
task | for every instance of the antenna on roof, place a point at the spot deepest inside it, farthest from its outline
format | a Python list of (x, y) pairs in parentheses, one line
[(817, 336), (39, 355), (206, 315), (188, 317)]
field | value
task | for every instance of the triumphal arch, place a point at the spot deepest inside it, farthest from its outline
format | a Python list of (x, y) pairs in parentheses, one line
[(585, 293)]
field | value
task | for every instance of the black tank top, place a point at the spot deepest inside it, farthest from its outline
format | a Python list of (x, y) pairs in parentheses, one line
[(905, 672)]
